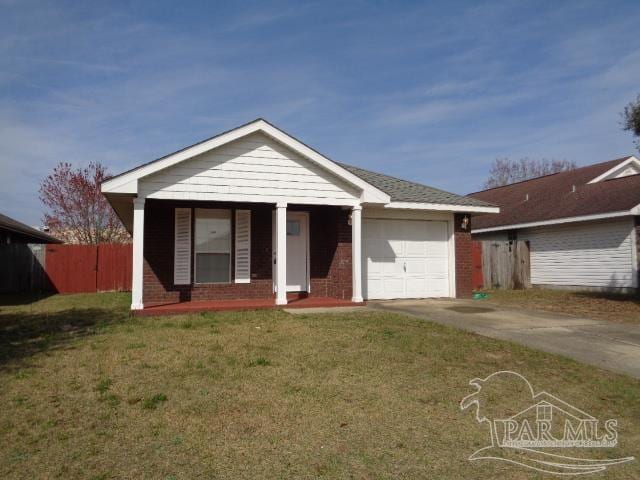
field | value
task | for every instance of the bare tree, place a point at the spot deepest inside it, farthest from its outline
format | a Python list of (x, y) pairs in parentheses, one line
[(631, 119), (505, 171), (78, 212)]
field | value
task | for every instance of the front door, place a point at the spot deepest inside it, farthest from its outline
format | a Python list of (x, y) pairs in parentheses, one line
[(297, 251)]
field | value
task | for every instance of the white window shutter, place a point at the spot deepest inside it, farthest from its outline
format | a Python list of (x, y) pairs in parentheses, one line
[(243, 246), (182, 247)]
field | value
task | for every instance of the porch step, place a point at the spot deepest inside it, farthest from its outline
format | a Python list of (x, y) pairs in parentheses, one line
[(293, 296)]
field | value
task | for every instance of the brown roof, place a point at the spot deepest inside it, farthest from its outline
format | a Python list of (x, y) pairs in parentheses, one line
[(36, 236), (551, 196)]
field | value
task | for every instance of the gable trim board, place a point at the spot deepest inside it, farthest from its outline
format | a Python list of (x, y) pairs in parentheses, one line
[(441, 206), (583, 218), (615, 172)]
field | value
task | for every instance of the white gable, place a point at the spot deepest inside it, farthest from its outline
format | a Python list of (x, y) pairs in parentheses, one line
[(254, 168), (127, 183), (630, 166), (630, 170)]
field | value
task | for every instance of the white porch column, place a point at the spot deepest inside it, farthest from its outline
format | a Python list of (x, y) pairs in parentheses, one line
[(356, 252), (138, 254), (281, 254)]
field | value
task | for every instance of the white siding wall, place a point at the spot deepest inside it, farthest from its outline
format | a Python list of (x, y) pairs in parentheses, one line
[(593, 254), (252, 169)]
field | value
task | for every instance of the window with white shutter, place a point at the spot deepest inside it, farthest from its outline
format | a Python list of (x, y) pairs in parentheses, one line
[(182, 247), (243, 246)]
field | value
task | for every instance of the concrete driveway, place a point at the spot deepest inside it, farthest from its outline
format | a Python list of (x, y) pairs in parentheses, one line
[(608, 345)]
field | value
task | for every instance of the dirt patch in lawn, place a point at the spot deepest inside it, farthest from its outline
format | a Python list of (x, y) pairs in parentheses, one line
[(266, 395)]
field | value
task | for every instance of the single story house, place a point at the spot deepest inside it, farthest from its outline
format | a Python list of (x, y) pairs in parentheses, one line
[(253, 213), (13, 231), (581, 225)]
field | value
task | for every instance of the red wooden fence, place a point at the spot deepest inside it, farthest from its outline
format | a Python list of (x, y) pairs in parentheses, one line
[(477, 278), (89, 268)]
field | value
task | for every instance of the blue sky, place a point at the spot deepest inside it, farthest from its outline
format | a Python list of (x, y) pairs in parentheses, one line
[(431, 92)]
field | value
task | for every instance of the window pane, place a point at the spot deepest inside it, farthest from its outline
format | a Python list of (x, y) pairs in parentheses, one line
[(212, 267), (213, 231), (293, 228)]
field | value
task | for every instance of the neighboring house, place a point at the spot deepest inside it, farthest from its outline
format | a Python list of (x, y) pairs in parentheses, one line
[(254, 212), (581, 225), (13, 231)]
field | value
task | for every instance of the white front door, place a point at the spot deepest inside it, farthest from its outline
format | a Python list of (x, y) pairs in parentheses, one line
[(297, 251), (405, 259)]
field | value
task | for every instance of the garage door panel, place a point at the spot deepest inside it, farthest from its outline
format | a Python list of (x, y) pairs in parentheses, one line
[(380, 248), (437, 289), (436, 232), (375, 287), (393, 287), (415, 248), (393, 268), (375, 266), (405, 258), (415, 287), (437, 249), (415, 266), (437, 266)]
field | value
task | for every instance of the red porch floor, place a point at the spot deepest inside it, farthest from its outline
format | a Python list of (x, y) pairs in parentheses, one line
[(255, 304)]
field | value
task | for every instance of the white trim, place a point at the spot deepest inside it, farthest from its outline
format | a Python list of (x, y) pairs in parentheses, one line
[(307, 223), (583, 218), (281, 258), (369, 192), (615, 169), (452, 255), (356, 253), (442, 207), (137, 275)]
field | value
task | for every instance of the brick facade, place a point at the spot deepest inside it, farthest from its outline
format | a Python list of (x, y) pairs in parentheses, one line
[(464, 264), (330, 255)]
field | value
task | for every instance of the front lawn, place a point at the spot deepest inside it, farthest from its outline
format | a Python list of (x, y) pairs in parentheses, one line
[(90, 392), (598, 305)]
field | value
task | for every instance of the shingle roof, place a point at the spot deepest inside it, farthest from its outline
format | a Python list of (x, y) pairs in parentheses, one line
[(405, 191), (8, 223), (552, 197)]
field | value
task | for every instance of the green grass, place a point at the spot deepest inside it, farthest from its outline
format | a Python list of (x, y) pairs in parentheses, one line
[(90, 392), (599, 305)]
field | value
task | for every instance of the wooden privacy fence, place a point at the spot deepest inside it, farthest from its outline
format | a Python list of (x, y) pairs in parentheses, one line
[(89, 268), (65, 268), (504, 264), (22, 268)]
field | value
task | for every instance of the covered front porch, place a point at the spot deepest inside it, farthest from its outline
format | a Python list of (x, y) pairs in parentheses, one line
[(207, 255)]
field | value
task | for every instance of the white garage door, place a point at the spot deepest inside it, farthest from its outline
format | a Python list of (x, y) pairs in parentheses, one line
[(405, 259)]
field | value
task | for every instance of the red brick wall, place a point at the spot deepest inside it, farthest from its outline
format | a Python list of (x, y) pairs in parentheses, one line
[(464, 265), (330, 255)]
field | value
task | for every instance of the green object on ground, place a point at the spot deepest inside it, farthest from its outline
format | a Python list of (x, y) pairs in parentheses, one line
[(480, 295)]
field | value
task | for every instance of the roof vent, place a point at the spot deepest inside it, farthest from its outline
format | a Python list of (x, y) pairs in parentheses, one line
[(526, 197), (573, 189)]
